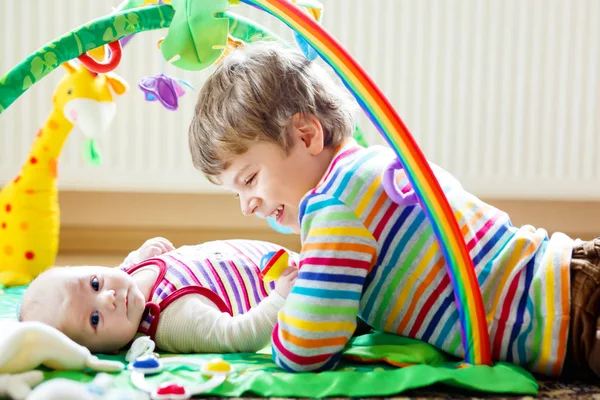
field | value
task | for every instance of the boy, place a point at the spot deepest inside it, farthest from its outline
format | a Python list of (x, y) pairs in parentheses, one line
[(270, 126), (207, 298)]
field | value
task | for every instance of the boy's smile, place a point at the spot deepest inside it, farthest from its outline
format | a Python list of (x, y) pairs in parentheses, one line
[(270, 183)]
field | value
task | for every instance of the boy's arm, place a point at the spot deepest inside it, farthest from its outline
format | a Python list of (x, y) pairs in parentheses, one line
[(193, 324), (319, 316)]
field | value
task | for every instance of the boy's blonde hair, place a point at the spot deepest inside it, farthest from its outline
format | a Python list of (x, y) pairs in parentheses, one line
[(253, 95)]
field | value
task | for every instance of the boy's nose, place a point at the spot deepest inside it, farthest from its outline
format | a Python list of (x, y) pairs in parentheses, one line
[(249, 206), (108, 300)]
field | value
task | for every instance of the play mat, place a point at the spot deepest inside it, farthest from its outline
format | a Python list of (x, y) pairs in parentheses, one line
[(375, 364)]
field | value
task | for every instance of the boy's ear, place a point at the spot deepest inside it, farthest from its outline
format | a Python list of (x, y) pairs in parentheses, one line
[(309, 130)]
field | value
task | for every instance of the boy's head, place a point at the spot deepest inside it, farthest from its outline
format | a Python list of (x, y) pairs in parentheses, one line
[(265, 126), (98, 307)]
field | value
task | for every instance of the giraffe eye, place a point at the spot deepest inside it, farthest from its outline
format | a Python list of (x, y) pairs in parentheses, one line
[(70, 91)]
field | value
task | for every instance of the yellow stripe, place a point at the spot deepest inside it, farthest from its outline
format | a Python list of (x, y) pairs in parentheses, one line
[(550, 312), (312, 326), (341, 231), (368, 196), (406, 290), (516, 255)]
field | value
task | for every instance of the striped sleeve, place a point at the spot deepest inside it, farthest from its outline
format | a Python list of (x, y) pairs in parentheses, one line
[(319, 316)]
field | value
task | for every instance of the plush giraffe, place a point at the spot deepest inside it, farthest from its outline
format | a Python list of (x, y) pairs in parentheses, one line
[(29, 210)]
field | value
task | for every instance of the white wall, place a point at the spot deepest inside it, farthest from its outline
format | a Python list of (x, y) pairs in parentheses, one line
[(503, 93)]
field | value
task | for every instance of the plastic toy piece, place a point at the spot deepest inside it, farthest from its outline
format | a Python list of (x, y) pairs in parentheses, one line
[(392, 190), (147, 364), (113, 61), (163, 88), (196, 38), (171, 391), (273, 264), (217, 367)]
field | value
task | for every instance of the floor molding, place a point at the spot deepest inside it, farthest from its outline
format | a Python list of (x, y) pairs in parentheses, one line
[(115, 222)]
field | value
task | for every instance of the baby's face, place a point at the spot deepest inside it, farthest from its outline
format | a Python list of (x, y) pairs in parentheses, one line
[(98, 307)]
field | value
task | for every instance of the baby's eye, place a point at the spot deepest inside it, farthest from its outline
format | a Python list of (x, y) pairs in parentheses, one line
[(95, 319), (95, 284)]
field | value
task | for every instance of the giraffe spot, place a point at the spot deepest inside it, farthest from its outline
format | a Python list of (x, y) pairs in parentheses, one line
[(33, 160), (17, 179), (24, 226), (29, 255), (46, 148), (8, 250), (8, 207), (39, 133), (4, 225), (52, 124), (53, 167), (29, 191)]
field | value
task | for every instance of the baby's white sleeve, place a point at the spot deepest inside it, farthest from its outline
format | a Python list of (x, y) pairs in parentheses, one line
[(194, 324)]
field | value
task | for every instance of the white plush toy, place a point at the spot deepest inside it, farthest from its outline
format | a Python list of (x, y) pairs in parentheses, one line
[(27, 345)]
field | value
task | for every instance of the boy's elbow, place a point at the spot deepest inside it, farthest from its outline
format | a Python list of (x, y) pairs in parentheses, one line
[(298, 359)]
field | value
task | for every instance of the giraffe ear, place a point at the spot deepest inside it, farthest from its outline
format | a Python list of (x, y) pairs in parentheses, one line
[(118, 84), (69, 67)]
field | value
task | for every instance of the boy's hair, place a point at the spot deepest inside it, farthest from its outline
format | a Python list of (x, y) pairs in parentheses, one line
[(253, 95)]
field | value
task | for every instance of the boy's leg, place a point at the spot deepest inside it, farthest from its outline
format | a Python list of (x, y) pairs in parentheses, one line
[(583, 351)]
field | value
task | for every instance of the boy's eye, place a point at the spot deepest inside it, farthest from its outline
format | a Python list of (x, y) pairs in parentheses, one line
[(95, 284), (250, 179), (95, 319)]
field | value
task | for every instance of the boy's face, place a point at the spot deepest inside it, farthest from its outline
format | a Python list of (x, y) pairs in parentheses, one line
[(270, 183), (98, 307)]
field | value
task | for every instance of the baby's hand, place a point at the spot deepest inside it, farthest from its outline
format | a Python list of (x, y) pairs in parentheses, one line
[(154, 247), (285, 283)]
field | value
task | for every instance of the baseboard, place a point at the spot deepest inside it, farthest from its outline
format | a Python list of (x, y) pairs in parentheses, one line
[(118, 222)]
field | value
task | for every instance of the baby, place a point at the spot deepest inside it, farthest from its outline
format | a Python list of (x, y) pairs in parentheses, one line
[(203, 299)]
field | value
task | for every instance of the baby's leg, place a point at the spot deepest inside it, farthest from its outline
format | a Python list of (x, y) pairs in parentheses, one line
[(583, 352)]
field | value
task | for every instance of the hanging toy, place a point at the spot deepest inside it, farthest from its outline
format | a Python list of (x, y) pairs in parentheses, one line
[(164, 89), (315, 9), (107, 65)]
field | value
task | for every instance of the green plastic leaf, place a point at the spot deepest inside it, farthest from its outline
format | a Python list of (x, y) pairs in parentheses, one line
[(27, 82), (196, 35), (90, 153)]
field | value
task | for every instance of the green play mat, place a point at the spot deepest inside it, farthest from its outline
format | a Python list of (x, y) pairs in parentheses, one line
[(376, 364)]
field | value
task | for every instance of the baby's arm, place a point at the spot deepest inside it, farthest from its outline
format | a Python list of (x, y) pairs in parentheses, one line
[(194, 324), (319, 316), (151, 248)]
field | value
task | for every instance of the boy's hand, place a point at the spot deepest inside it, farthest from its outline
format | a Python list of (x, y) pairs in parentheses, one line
[(285, 283), (154, 247)]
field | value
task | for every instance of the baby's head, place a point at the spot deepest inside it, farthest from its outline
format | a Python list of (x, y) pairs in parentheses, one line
[(269, 105), (97, 307)]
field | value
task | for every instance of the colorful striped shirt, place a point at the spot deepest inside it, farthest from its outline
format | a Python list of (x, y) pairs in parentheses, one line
[(227, 272), (364, 255)]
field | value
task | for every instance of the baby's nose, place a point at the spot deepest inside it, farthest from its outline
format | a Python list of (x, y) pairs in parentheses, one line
[(108, 300)]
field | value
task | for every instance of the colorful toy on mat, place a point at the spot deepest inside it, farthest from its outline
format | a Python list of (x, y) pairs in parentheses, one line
[(29, 211), (273, 264), (148, 363)]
